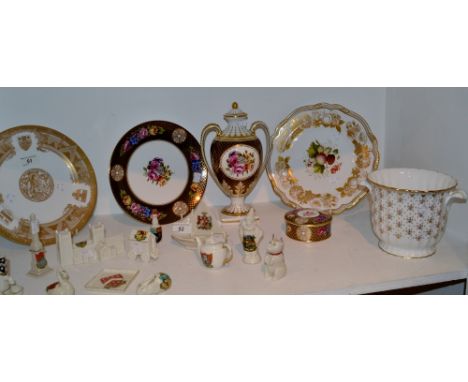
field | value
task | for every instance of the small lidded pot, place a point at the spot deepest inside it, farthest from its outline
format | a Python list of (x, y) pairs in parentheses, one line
[(308, 224)]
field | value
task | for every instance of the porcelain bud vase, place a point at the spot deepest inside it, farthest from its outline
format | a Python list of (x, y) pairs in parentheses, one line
[(237, 160)]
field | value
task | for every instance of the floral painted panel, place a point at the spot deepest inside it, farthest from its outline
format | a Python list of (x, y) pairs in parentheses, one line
[(157, 172), (321, 159), (240, 162)]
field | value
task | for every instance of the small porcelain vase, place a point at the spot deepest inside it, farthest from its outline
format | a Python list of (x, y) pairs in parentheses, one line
[(250, 234), (274, 265), (39, 265), (214, 251)]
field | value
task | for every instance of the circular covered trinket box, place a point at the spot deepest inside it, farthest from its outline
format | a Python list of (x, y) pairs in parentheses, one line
[(307, 224)]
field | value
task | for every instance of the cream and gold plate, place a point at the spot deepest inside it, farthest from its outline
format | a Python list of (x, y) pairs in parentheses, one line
[(43, 172), (320, 155)]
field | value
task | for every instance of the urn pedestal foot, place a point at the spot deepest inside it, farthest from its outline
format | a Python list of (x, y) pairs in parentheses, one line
[(236, 208)]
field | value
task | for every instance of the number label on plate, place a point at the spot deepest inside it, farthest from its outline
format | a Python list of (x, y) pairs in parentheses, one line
[(27, 161), (182, 228)]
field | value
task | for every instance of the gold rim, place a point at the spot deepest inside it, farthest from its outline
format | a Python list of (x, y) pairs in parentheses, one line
[(330, 107), (93, 185), (309, 225), (414, 191)]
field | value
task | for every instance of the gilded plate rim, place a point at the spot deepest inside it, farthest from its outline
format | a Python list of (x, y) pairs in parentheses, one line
[(93, 183), (330, 107)]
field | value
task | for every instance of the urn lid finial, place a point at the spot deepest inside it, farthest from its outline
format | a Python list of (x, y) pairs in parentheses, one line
[(235, 113)]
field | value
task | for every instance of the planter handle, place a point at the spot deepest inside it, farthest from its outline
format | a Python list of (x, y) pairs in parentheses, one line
[(458, 196), (366, 184)]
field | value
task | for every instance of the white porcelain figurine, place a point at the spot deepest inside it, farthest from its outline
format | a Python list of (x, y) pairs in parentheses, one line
[(39, 264), (63, 286), (36, 245), (250, 235), (274, 265), (12, 287)]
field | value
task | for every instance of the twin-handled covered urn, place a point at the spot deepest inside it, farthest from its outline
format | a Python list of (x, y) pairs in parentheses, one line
[(237, 160)]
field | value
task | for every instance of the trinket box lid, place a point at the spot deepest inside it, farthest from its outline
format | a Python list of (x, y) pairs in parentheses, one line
[(307, 216)]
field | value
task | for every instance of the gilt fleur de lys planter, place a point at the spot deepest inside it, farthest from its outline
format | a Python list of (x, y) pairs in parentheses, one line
[(409, 209), (237, 160)]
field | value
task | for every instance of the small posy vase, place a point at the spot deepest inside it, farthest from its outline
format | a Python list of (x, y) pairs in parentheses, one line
[(237, 160)]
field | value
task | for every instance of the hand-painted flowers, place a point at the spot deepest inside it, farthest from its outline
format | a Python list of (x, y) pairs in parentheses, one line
[(240, 163), (321, 159), (157, 172)]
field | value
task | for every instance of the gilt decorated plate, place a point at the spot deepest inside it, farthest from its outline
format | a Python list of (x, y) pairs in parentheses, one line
[(157, 168), (320, 154), (43, 172)]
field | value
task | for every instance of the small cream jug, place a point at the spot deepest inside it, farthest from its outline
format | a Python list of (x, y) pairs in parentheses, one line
[(214, 253)]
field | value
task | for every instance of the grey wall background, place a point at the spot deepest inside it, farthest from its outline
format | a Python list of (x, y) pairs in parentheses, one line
[(428, 128)]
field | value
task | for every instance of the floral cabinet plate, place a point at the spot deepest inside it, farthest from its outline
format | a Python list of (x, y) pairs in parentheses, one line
[(320, 154), (43, 172), (156, 168)]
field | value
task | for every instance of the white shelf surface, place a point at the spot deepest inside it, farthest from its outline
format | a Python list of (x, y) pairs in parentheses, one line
[(349, 262)]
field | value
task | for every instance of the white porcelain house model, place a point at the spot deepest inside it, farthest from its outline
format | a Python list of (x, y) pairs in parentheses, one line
[(97, 248)]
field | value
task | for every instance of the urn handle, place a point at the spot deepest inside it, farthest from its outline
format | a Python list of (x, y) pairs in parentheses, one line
[(268, 145), (212, 127)]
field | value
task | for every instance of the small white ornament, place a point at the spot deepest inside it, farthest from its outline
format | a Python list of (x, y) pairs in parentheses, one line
[(160, 282), (12, 287), (250, 234), (142, 244), (63, 286), (39, 264), (36, 245), (274, 265)]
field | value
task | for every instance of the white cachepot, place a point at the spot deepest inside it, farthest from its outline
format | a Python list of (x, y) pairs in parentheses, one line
[(409, 209)]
